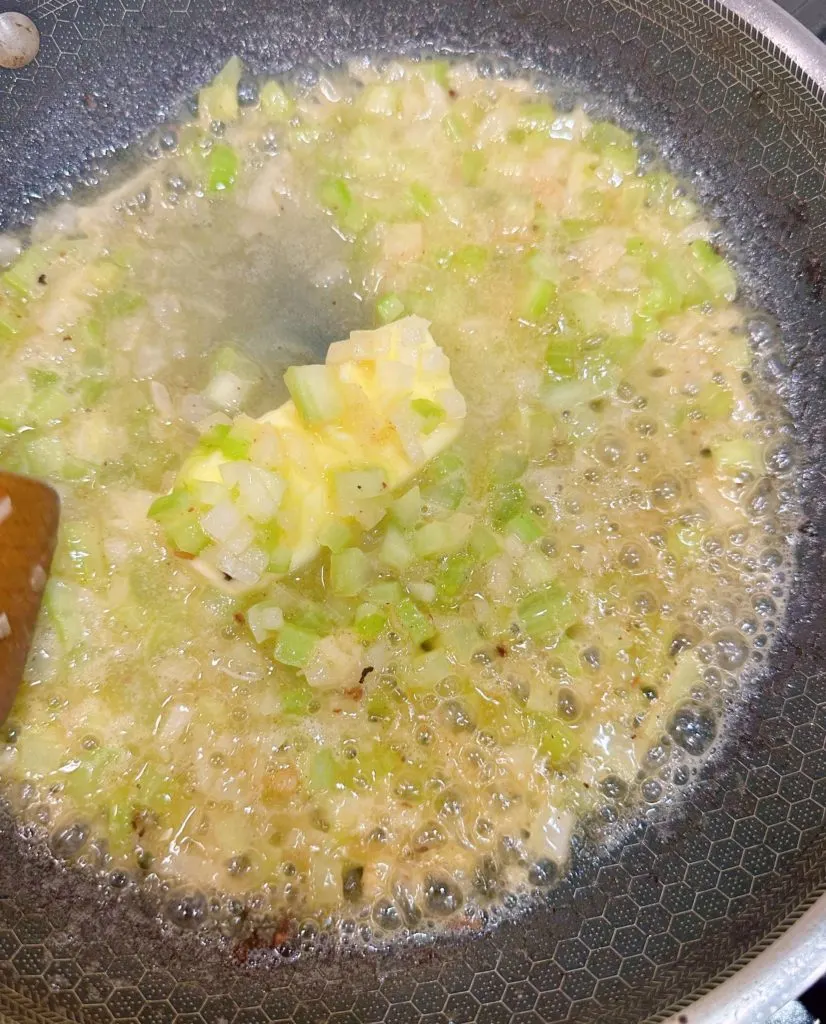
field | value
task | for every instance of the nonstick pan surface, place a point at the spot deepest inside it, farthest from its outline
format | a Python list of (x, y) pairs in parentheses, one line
[(637, 929)]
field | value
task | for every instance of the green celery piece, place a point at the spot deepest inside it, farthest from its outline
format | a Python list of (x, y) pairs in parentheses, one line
[(325, 771), (717, 275), (385, 592), (437, 70), (536, 116), (275, 102), (716, 402), (119, 303), (684, 539), (413, 621), (389, 307), (442, 536), (187, 535), (230, 360), (314, 390), (483, 543), (473, 166), (660, 186), (89, 776), (297, 698), (546, 611), (430, 412), (81, 552), (453, 575), (407, 509), (422, 199), (222, 168), (377, 762), (336, 196), (537, 300), (23, 276), (526, 526), (295, 645), (509, 466), (562, 356), (730, 457), (11, 320), (460, 639), (221, 439), (506, 502), (350, 571), (218, 101), (42, 378), (180, 516), (554, 739), (471, 259), (395, 551), (370, 622), (382, 703), (61, 602), (336, 536)]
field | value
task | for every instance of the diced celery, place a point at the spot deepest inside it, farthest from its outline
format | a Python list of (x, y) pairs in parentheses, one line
[(422, 199), (370, 622), (336, 196), (336, 536), (389, 307), (546, 611), (407, 509), (470, 259), (537, 300), (562, 355), (42, 378), (62, 604), (443, 536), (218, 101), (473, 166), (81, 551), (430, 668), (349, 571), (526, 526), (554, 739), (483, 543), (385, 592), (509, 466), (732, 457), (222, 168), (461, 640), (324, 771), (295, 645), (297, 698), (315, 391), (186, 534), (221, 438), (24, 275), (506, 502), (684, 539), (715, 272), (274, 101), (418, 626), (453, 574), (430, 413), (382, 703), (395, 551)]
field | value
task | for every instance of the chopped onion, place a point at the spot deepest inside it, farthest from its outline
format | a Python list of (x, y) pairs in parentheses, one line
[(5, 626), (5, 508)]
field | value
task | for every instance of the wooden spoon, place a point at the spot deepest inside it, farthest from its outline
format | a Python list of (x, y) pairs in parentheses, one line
[(29, 513)]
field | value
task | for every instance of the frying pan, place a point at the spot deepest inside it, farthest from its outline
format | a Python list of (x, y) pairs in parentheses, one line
[(695, 894)]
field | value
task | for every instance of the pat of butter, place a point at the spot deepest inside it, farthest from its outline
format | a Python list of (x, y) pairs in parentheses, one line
[(379, 409)]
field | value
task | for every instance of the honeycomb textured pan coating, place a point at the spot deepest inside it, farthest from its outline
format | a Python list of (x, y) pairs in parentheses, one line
[(634, 930)]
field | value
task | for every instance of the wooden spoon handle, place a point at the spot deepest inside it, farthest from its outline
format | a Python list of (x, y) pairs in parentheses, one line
[(29, 513)]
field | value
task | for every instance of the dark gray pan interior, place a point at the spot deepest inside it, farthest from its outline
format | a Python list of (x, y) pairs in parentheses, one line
[(633, 930)]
